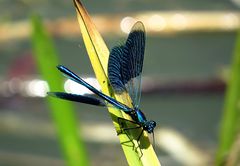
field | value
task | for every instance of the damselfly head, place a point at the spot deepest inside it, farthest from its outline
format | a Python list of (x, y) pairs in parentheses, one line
[(149, 126)]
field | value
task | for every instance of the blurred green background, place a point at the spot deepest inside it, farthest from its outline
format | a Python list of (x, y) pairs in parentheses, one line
[(189, 48)]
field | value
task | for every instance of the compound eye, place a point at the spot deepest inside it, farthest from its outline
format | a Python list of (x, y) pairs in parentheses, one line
[(154, 123)]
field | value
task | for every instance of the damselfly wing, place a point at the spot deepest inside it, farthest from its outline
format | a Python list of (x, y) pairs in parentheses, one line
[(126, 62)]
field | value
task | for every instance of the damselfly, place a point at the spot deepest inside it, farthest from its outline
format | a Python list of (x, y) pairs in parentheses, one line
[(124, 72)]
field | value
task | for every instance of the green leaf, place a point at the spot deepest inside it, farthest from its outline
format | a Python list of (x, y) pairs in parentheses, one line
[(62, 111), (230, 123)]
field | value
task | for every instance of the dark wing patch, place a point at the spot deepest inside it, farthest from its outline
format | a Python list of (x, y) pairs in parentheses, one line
[(77, 98), (132, 59), (115, 69), (126, 62)]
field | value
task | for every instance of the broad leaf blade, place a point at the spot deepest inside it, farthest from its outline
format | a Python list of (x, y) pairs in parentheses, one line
[(98, 54)]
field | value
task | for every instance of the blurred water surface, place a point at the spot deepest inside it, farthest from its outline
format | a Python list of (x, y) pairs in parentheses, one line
[(171, 57)]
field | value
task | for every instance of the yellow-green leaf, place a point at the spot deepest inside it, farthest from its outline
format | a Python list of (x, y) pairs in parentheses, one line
[(98, 54)]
